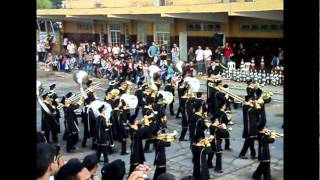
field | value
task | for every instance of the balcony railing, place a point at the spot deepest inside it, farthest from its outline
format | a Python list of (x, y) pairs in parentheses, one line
[(141, 3)]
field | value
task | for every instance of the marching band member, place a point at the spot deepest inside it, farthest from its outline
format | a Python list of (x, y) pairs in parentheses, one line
[(160, 156), (53, 95), (102, 135), (170, 88), (109, 99), (139, 94), (184, 123), (218, 130), (249, 128), (223, 119), (195, 118), (72, 129), (180, 89), (199, 100), (264, 153), (88, 119), (160, 109), (124, 126), (200, 149), (48, 121)]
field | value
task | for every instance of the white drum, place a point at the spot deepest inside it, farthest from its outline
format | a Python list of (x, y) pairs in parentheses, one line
[(130, 100)]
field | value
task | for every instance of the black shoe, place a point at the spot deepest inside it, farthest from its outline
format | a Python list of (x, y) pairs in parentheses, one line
[(243, 157), (210, 166), (84, 145), (172, 114), (178, 117), (218, 171), (124, 153), (228, 149), (253, 157)]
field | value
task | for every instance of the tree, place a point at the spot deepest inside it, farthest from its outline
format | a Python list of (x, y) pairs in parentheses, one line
[(44, 4)]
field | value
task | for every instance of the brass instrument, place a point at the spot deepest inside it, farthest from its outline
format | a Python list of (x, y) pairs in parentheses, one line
[(236, 97), (167, 137), (205, 142), (270, 132)]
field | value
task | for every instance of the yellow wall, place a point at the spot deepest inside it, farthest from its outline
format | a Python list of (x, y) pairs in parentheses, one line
[(148, 28), (235, 28), (72, 27)]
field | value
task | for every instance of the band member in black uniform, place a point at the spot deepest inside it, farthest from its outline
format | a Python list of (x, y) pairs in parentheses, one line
[(223, 119), (199, 100), (251, 88), (123, 87), (72, 126), (56, 128), (213, 101), (139, 94), (160, 108), (184, 123), (189, 108), (138, 133), (264, 140), (219, 131), (170, 87), (249, 128), (102, 135), (160, 156), (215, 68), (260, 102), (181, 87), (124, 126), (88, 118), (109, 99), (48, 122), (148, 115), (157, 81), (200, 148), (196, 117)]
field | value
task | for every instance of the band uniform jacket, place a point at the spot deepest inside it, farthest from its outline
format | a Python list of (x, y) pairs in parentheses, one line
[(263, 150), (117, 124), (217, 70), (213, 101), (139, 94), (160, 108), (200, 128), (218, 134), (200, 165), (249, 121), (170, 88), (57, 115), (137, 153), (160, 157), (102, 128), (48, 122), (222, 118), (201, 101), (71, 119), (184, 111), (124, 127), (189, 108), (193, 121)]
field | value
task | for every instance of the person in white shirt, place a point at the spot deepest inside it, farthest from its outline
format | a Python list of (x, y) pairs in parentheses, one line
[(175, 53), (116, 50), (207, 57), (199, 60), (71, 49), (65, 43), (96, 63)]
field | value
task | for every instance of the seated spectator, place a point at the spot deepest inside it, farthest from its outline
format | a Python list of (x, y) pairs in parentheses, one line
[(91, 163), (47, 161), (73, 169)]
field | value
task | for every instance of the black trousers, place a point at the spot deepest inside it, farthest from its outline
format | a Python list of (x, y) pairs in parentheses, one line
[(54, 136), (147, 145), (178, 112), (183, 133), (158, 172), (192, 129), (171, 108), (248, 143), (263, 169), (218, 160), (136, 112), (102, 149), (227, 143), (72, 140), (124, 146)]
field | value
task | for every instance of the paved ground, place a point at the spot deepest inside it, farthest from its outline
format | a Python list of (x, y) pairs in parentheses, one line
[(179, 155)]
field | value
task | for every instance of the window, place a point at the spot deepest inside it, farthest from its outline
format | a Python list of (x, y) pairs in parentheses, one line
[(114, 34), (203, 26), (261, 27), (126, 34), (274, 26), (254, 27), (245, 27), (84, 26), (264, 27), (162, 34)]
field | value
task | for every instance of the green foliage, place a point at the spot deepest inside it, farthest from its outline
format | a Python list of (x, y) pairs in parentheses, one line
[(44, 4)]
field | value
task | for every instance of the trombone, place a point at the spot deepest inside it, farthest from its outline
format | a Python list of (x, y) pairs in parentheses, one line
[(236, 97)]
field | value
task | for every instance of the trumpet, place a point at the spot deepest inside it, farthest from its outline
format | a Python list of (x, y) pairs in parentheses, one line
[(167, 137), (269, 132)]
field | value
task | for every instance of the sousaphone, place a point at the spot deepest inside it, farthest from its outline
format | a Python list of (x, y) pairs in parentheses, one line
[(194, 83), (130, 100), (167, 96)]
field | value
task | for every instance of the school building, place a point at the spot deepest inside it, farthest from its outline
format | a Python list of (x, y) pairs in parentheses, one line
[(185, 22)]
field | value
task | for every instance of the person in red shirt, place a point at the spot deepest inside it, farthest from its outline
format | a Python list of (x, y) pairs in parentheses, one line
[(227, 53)]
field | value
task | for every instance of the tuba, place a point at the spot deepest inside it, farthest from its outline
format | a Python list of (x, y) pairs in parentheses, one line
[(167, 96), (130, 100), (95, 105), (194, 83)]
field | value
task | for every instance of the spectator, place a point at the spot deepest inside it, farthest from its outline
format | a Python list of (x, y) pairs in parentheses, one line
[(227, 53), (152, 52), (65, 43), (91, 163), (275, 61), (199, 60), (48, 62), (71, 49), (48, 161), (73, 170), (207, 57), (103, 69), (280, 56), (114, 170), (163, 54), (96, 63), (133, 52), (191, 54), (140, 51), (175, 53), (116, 50)]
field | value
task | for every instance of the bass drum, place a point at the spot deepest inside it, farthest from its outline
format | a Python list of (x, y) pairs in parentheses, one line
[(130, 100), (95, 105)]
